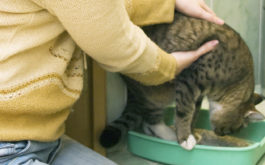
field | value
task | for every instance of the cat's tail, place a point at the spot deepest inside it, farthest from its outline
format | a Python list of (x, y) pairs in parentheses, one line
[(117, 130)]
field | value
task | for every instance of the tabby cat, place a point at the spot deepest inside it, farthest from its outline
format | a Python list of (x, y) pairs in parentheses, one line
[(224, 75)]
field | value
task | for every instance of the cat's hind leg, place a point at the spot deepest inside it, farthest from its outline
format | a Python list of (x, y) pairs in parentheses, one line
[(154, 125), (160, 130)]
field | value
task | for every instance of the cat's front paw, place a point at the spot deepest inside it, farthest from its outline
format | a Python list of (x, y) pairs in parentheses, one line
[(188, 143)]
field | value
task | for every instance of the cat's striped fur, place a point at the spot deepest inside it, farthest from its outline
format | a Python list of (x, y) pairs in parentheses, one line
[(225, 76)]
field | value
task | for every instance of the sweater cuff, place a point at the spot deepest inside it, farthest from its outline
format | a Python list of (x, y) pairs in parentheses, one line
[(164, 70), (147, 12)]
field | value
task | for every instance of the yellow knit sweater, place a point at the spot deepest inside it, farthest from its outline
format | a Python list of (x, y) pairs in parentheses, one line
[(41, 66)]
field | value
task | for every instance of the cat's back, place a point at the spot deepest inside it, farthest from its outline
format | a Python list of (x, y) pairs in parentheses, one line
[(187, 33), (230, 58)]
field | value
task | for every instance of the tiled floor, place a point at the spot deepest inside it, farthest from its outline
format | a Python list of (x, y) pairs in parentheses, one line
[(122, 156)]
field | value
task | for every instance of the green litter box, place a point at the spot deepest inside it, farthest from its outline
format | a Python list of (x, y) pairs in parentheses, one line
[(169, 152)]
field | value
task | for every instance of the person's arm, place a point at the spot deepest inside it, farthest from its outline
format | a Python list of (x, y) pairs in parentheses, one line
[(198, 9), (147, 12), (102, 28)]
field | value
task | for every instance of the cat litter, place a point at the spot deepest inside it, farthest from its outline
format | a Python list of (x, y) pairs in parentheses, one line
[(169, 152)]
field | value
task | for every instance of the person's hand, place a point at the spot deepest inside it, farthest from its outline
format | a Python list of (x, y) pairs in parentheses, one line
[(197, 9), (185, 59)]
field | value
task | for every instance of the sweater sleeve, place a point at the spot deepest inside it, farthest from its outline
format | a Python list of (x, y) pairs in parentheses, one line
[(148, 12), (102, 28)]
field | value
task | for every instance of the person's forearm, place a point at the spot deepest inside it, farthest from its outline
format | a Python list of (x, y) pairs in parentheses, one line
[(103, 30)]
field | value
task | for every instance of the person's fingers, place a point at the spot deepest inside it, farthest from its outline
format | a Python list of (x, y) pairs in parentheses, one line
[(206, 8), (217, 20), (185, 59), (210, 17), (205, 48)]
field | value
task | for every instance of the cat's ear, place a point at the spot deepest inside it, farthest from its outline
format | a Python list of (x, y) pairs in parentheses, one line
[(257, 98), (254, 116)]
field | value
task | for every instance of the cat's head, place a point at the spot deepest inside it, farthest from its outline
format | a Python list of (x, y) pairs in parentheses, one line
[(228, 118)]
